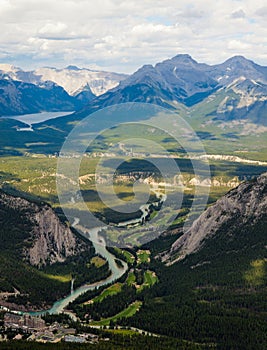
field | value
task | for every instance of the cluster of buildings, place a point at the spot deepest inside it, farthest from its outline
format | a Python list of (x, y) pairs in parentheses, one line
[(25, 322), (37, 330)]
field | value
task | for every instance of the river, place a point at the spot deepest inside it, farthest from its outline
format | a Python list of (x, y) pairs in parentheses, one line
[(145, 210), (100, 248)]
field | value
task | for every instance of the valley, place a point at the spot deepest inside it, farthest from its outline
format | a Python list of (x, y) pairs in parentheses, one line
[(139, 215)]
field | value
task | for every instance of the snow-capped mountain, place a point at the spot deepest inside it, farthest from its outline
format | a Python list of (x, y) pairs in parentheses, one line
[(73, 79), (51, 89)]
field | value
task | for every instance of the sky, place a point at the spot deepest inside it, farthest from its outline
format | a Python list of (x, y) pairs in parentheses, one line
[(121, 36)]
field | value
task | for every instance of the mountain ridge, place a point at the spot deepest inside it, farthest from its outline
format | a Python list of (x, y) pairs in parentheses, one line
[(158, 84), (221, 101), (18, 97), (51, 240), (71, 78), (246, 204)]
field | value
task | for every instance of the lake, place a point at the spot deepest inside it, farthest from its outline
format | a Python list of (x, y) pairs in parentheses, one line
[(38, 117)]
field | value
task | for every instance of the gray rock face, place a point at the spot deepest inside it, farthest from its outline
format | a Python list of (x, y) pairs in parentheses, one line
[(49, 240), (249, 102), (245, 204), (72, 79)]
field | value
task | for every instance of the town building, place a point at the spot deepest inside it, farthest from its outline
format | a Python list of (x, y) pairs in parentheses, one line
[(25, 322)]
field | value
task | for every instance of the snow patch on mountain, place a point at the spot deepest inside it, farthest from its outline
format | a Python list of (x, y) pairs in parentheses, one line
[(71, 78)]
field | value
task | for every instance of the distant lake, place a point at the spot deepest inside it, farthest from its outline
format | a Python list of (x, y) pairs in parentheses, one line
[(38, 117)]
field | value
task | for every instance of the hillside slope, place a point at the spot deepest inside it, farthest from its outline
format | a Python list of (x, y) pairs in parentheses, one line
[(246, 204), (23, 98), (46, 239), (34, 241), (216, 294)]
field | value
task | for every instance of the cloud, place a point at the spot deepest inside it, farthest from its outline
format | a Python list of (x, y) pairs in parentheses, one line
[(237, 45), (122, 35), (238, 14), (261, 12), (53, 28)]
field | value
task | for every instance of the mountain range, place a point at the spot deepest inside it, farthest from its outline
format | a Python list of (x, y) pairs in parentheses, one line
[(223, 101), (210, 287), (25, 98), (180, 80), (73, 79), (51, 89), (183, 80), (235, 89)]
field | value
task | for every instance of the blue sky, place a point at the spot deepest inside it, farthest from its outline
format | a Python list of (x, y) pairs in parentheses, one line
[(123, 35)]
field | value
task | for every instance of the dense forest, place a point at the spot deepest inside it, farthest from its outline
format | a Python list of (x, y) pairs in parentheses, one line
[(217, 295), (115, 342)]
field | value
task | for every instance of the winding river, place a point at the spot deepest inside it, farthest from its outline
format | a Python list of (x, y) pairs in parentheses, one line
[(145, 210), (100, 248)]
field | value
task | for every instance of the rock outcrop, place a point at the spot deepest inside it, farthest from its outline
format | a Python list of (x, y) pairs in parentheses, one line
[(243, 205), (48, 239)]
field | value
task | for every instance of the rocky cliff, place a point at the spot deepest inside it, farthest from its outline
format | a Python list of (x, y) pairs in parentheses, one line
[(246, 204), (46, 240)]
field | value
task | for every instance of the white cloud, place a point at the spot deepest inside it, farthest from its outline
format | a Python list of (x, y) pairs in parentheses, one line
[(53, 28), (237, 45), (261, 12), (238, 14), (122, 35)]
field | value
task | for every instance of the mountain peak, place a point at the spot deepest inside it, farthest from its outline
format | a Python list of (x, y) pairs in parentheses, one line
[(236, 67), (146, 67), (180, 59), (183, 58), (239, 60), (72, 67)]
